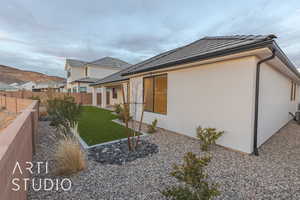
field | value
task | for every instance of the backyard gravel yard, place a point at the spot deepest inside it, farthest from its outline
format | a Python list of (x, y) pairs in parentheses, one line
[(275, 174)]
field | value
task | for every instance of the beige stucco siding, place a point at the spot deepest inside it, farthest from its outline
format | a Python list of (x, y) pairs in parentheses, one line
[(76, 73), (100, 72), (274, 102), (219, 95)]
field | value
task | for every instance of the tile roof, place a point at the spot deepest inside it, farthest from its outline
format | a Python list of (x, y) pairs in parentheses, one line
[(75, 63), (110, 62), (200, 48), (102, 62)]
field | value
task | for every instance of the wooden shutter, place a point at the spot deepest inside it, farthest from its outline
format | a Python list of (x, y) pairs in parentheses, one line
[(148, 94), (295, 93), (160, 94), (292, 91)]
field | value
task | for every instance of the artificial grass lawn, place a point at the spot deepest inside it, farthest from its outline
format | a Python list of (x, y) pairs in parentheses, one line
[(95, 126)]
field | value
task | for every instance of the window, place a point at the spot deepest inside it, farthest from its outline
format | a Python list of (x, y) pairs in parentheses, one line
[(293, 91), (114, 93), (86, 71), (68, 73), (155, 94), (82, 89)]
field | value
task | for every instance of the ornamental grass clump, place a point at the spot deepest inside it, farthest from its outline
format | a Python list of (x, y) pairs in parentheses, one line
[(194, 184), (208, 136), (69, 156)]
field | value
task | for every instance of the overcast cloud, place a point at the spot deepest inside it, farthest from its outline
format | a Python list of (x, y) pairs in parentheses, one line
[(39, 35)]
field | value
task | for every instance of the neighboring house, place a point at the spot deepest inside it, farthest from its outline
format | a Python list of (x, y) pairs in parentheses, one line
[(80, 74), (49, 85), (16, 85), (30, 85), (6, 87), (43, 86), (244, 85)]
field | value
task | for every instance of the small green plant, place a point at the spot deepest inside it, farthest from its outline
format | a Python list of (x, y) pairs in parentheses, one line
[(208, 136), (195, 185), (63, 113), (152, 127), (122, 114), (118, 108)]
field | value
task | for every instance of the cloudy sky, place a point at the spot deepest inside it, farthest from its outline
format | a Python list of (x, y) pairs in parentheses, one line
[(39, 35)]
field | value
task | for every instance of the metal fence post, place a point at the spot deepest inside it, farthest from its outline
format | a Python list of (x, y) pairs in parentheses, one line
[(33, 132), (16, 100), (5, 101)]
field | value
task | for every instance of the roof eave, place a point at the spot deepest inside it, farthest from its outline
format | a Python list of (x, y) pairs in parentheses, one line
[(106, 82), (281, 55)]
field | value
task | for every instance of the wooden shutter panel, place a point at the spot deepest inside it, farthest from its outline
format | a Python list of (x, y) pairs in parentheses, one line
[(160, 94), (292, 90), (148, 94)]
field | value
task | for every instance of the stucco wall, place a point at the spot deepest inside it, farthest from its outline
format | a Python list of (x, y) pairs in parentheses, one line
[(76, 73), (100, 72), (17, 142), (219, 95), (274, 102)]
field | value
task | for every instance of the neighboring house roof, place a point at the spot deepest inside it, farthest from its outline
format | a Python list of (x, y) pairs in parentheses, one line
[(102, 62), (4, 86), (210, 47), (115, 77), (86, 80), (75, 63), (110, 62)]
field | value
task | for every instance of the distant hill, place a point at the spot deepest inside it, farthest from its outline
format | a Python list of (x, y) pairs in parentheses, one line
[(13, 75)]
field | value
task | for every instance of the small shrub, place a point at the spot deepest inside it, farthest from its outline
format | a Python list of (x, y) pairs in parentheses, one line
[(118, 108), (69, 156), (152, 127), (122, 114), (63, 113), (208, 136), (195, 185)]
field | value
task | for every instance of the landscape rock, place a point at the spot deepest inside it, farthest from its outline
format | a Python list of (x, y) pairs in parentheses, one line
[(118, 153)]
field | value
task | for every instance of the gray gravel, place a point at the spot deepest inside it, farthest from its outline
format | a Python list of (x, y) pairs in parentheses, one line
[(275, 174)]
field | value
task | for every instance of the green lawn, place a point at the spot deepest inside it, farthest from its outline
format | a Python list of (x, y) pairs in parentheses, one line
[(95, 126)]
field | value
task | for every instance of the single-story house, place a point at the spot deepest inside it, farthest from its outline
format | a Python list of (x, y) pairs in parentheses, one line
[(7, 87), (244, 85)]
